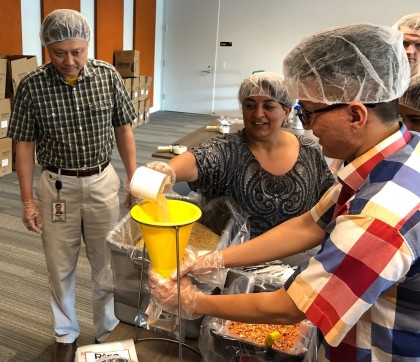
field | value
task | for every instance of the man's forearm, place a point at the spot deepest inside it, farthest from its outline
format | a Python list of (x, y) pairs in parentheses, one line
[(25, 159), (127, 149), (291, 237), (271, 307)]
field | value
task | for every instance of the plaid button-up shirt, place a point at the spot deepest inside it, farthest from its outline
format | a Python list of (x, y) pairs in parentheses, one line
[(71, 125), (362, 290)]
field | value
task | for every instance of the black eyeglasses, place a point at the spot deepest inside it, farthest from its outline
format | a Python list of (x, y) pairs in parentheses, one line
[(304, 115)]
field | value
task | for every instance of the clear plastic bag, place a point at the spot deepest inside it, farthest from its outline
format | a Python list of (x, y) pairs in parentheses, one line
[(218, 343), (222, 215)]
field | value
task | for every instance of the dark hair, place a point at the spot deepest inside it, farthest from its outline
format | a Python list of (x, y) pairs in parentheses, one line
[(387, 112)]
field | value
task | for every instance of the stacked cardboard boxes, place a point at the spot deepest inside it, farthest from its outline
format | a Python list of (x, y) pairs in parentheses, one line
[(144, 102), (127, 62), (5, 143), (12, 69)]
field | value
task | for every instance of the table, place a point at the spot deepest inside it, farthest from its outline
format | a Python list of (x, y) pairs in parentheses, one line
[(202, 134), (199, 136), (154, 350)]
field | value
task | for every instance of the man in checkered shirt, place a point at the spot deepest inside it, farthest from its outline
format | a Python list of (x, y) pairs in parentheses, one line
[(70, 110), (362, 289)]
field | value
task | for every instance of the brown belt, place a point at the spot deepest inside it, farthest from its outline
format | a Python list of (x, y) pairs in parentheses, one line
[(81, 172)]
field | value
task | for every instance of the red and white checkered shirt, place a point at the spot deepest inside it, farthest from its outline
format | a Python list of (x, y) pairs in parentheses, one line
[(362, 290)]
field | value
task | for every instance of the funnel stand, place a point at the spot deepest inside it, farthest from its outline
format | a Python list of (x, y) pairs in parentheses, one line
[(178, 277)]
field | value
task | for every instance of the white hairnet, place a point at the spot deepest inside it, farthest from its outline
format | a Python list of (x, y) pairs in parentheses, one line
[(360, 62), (267, 84), (64, 24), (411, 97), (408, 23)]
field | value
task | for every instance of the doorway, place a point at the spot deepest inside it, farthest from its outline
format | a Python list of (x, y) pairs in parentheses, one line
[(189, 55)]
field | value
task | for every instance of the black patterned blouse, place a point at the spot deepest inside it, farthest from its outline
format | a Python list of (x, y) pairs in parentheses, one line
[(226, 167)]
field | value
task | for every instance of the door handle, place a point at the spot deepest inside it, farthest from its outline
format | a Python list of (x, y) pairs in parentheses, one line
[(208, 70)]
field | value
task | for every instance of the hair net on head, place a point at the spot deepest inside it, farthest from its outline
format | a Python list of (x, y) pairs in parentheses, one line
[(408, 23), (360, 62), (411, 97), (64, 24), (267, 84)]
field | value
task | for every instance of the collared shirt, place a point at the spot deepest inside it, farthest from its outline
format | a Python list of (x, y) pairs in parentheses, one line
[(362, 290), (227, 167), (71, 125)]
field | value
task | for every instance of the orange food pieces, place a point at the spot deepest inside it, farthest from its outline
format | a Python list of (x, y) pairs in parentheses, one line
[(257, 332)]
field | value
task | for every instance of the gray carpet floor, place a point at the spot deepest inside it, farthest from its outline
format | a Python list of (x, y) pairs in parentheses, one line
[(26, 331)]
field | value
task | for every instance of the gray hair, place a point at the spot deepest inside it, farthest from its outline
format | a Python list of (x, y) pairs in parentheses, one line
[(64, 24), (360, 62)]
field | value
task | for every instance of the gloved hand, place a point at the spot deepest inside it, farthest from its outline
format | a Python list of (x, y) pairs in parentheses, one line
[(197, 264), (166, 293), (130, 200), (163, 167), (31, 216)]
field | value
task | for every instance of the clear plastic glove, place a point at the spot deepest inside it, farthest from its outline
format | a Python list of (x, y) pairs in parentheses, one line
[(197, 264), (31, 216), (163, 167), (166, 293), (130, 200)]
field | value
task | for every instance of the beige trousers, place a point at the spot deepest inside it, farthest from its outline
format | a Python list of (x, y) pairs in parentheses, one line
[(91, 211)]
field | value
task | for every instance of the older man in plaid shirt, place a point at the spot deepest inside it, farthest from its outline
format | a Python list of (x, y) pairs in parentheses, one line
[(71, 109)]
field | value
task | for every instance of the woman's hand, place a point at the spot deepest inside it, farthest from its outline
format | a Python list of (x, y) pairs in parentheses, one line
[(163, 167)]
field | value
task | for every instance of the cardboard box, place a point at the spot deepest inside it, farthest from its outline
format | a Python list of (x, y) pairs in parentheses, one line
[(136, 107), (146, 110), (145, 84), (5, 156), (124, 350), (127, 83), (127, 63), (17, 67), (135, 88), (142, 105), (3, 74), (5, 109)]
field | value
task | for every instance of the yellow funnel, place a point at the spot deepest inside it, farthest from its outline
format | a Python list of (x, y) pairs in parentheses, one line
[(160, 237)]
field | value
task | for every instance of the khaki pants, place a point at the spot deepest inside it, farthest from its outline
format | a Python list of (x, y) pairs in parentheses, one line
[(91, 211)]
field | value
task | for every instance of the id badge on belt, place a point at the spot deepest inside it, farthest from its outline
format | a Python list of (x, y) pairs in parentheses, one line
[(58, 205)]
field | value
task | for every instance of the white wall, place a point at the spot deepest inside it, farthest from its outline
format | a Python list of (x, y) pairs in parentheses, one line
[(159, 44), (128, 40), (264, 31), (31, 23)]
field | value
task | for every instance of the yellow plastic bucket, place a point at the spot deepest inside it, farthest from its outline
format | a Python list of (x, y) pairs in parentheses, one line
[(160, 237)]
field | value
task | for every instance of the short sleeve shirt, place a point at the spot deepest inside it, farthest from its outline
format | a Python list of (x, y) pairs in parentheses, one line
[(226, 167), (71, 125), (362, 290)]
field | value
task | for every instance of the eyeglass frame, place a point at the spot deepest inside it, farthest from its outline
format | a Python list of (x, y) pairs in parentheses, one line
[(304, 115)]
